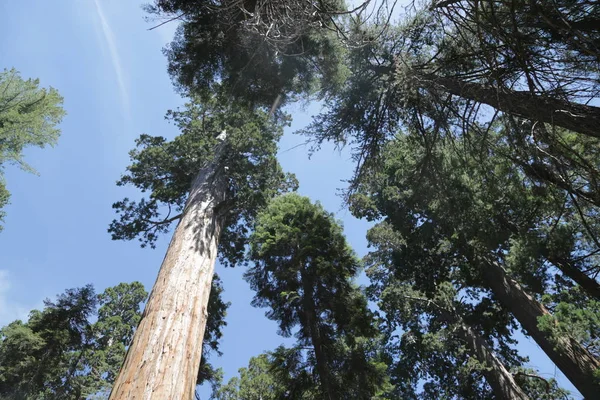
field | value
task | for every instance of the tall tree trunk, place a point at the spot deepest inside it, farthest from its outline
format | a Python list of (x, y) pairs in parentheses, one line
[(572, 116), (578, 365), (498, 377), (315, 336), (163, 359)]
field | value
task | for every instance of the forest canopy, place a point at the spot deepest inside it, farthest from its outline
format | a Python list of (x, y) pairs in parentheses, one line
[(474, 133)]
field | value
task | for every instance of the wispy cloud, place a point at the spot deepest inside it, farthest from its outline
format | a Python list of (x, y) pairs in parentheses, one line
[(111, 43)]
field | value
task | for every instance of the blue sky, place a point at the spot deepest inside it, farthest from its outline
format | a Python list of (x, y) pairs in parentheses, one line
[(101, 57)]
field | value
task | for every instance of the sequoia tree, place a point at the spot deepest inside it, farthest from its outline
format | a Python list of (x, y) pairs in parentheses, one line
[(212, 179)]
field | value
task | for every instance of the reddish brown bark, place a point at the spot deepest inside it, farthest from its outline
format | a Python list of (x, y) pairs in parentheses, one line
[(163, 359), (578, 364)]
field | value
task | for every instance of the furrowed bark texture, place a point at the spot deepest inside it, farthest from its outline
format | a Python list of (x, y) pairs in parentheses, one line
[(163, 359), (570, 357), (498, 377)]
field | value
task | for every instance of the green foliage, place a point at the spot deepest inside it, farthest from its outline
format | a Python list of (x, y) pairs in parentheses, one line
[(447, 201), (262, 55), (575, 314), (256, 382), (166, 170), (430, 360), (438, 205), (75, 347), (294, 241), (28, 117), (284, 373), (60, 354), (303, 270)]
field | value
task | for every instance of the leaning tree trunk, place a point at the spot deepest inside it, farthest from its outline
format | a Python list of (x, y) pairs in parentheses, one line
[(500, 380), (576, 117), (567, 267), (578, 364), (163, 359), (587, 283)]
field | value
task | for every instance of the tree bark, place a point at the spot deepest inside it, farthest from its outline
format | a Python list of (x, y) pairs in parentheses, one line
[(321, 359), (570, 357), (498, 377), (569, 115), (590, 285), (163, 359)]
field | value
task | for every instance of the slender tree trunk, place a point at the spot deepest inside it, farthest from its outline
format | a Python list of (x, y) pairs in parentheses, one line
[(572, 116), (590, 285), (567, 267), (540, 172), (321, 359), (163, 359), (501, 381), (578, 365)]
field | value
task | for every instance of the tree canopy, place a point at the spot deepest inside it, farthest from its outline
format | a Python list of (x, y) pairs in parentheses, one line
[(262, 53), (303, 272), (166, 169), (29, 116), (61, 352), (474, 128)]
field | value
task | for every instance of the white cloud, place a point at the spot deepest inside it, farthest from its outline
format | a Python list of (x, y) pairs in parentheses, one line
[(9, 309), (111, 43)]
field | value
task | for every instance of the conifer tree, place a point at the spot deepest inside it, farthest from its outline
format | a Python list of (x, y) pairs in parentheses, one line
[(61, 353), (303, 271), (212, 179), (29, 116), (462, 217)]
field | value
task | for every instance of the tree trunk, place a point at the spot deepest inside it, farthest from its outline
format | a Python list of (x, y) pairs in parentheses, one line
[(588, 284), (315, 336), (163, 359), (566, 266), (572, 116), (570, 357), (541, 172), (498, 377)]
